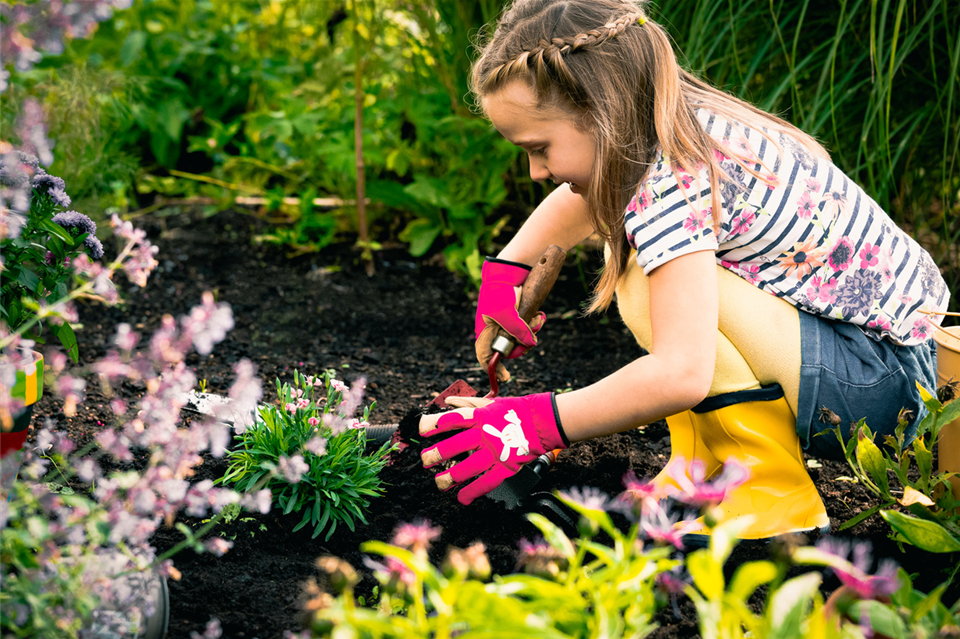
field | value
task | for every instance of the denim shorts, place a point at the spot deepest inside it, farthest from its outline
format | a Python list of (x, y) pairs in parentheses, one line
[(857, 377)]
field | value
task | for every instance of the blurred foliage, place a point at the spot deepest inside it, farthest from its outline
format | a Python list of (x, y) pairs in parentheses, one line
[(254, 98)]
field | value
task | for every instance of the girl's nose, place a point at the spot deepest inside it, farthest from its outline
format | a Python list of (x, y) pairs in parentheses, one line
[(538, 170)]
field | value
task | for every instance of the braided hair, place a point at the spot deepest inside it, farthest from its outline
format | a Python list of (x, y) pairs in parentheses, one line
[(614, 70)]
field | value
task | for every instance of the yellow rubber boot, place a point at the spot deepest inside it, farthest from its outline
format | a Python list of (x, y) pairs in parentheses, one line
[(757, 429), (685, 443)]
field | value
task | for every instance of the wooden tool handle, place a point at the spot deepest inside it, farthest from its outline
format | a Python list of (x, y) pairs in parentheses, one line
[(535, 290)]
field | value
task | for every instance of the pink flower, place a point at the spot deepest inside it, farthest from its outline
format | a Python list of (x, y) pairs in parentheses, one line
[(664, 529), (317, 446), (813, 185), (293, 468), (823, 291), (853, 572), (697, 492), (805, 206), (259, 502), (880, 323), (290, 407), (642, 497), (749, 272), (218, 547), (313, 421), (742, 223), (338, 386), (921, 329), (868, 255), (694, 222), (416, 536), (841, 255), (303, 402)]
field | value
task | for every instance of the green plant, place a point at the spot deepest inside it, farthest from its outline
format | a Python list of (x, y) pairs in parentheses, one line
[(934, 521), (310, 453), (581, 587), (38, 259)]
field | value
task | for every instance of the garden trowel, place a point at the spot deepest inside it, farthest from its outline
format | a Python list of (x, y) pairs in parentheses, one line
[(515, 491)]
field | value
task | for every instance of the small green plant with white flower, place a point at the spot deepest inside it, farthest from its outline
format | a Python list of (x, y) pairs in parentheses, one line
[(308, 450)]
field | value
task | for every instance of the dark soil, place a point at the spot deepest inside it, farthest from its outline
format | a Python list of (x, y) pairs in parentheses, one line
[(408, 330)]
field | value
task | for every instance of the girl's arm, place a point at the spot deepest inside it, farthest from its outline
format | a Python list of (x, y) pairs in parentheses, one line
[(677, 373), (562, 219)]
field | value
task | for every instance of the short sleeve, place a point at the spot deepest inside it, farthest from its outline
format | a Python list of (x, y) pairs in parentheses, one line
[(671, 216)]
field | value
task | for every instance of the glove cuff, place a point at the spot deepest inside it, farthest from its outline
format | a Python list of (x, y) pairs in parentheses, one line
[(510, 273), (550, 438)]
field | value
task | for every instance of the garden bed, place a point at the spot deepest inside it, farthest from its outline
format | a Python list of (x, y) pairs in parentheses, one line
[(408, 331)]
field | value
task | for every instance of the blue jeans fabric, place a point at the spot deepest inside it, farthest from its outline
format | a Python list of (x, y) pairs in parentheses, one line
[(857, 377)]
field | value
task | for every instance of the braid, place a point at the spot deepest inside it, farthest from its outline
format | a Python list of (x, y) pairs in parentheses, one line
[(549, 54)]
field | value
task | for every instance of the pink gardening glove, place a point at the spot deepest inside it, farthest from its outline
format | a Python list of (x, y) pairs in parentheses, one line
[(503, 433), (497, 308)]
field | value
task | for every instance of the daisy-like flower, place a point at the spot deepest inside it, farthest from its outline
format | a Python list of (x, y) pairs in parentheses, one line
[(695, 491), (921, 329), (835, 201), (695, 222), (641, 497), (666, 529), (850, 563), (802, 259), (813, 185), (587, 497), (881, 323)]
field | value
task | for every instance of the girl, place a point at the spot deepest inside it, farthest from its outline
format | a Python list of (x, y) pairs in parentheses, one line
[(762, 282)]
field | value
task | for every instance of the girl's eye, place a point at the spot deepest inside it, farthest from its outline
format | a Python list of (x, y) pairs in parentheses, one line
[(541, 152)]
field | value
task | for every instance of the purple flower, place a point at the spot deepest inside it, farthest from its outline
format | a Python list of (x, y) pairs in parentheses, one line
[(43, 182), (78, 224), (540, 558), (587, 497), (857, 292)]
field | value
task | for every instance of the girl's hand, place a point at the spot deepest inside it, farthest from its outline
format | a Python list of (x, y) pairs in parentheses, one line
[(497, 308), (503, 433)]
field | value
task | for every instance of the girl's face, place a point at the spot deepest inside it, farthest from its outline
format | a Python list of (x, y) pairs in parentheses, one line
[(558, 150)]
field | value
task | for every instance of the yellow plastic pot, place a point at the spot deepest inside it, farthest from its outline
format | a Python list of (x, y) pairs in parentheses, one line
[(948, 368)]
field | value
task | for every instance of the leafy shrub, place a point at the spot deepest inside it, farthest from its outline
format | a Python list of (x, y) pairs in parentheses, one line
[(934, 520), (38, 259), (310, 453), (583, 588)]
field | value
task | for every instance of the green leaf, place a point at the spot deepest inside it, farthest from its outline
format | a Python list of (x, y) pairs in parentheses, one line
[(750, 576), (883, 621), (420, 233), (926, 535), (853, 521), (68, 338), (872, 461), (132, 47), (706, 573), (789, 604)]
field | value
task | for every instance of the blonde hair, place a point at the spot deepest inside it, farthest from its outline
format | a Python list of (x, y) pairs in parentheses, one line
[(614, 70)]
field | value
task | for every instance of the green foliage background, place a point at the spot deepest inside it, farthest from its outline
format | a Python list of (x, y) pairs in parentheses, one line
[(201, 101)]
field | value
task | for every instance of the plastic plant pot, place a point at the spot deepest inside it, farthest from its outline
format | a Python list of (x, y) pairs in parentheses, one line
[(15, 428)]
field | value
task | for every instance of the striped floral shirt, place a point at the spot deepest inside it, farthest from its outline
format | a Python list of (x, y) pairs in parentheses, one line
[(812, 237)]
